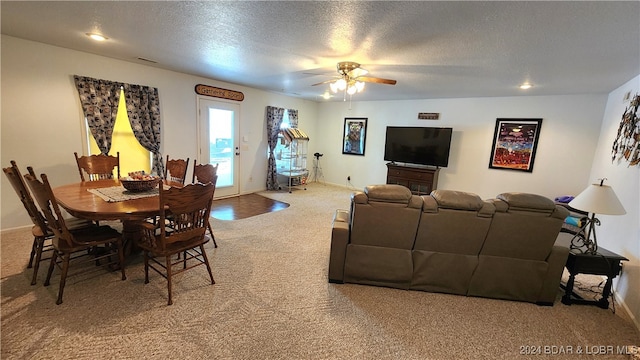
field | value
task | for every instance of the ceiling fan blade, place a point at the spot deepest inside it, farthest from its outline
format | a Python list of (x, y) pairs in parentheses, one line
[(357, 72), (325, 82), (376, 80)]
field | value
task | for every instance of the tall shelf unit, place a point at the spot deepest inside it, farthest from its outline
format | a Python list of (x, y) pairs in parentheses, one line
[(291, 158)]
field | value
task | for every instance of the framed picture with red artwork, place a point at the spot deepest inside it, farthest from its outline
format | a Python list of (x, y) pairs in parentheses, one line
[(515, 142)]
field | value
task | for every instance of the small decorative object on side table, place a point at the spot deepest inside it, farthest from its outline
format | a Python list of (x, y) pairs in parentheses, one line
[(603, 262)]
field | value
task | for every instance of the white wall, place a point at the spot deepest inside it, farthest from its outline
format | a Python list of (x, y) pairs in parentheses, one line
[(42, 118), (570, 128), (620, 234)]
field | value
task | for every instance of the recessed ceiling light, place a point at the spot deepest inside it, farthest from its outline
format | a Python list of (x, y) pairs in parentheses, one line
[(526, 86), (96, 37)]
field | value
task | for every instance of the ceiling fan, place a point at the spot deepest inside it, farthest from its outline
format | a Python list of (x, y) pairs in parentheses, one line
[(352, 78)]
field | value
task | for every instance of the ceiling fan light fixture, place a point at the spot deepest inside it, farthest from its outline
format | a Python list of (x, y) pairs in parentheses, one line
[(351, 80)]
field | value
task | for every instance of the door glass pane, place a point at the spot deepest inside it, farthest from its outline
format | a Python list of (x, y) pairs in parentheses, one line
[(221, 144)]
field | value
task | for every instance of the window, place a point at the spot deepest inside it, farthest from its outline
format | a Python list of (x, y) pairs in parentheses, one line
[(133, 157), (285, 120)]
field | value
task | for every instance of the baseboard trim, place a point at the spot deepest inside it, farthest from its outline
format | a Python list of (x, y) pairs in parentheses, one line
[(18, 228), (627, 312)]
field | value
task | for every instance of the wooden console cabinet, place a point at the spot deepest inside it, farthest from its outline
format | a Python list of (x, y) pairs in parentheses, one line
[(420, 180)]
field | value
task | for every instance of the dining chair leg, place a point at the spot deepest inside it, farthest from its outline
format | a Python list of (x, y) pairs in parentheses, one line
[(146, 267), (34, 249), (168, 260), (52, 264), (38, 243), (63, 277), (184, 259), (206, 262), (215, 245), (121, 257)]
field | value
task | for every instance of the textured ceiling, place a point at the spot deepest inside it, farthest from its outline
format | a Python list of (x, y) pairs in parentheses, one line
[(433, 49)]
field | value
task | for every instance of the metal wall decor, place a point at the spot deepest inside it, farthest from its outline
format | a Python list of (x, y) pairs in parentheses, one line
[(627, 143)]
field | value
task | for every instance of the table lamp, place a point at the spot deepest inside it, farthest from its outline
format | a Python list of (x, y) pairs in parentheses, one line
[(596, 199)]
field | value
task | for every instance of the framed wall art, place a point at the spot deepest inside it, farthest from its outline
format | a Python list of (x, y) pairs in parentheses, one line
[(515, 142), (355, 133)]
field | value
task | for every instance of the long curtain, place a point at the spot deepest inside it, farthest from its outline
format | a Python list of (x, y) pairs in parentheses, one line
[(143, 109), (99, 100), (274, 120), (293, 118)]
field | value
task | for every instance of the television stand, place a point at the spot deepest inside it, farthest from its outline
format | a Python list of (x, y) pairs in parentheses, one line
[(420, 180)]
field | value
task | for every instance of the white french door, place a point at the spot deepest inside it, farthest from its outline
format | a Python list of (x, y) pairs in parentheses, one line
[(218, 127)]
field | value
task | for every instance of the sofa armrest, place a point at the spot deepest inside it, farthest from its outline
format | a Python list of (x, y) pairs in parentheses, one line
[(339, 242)]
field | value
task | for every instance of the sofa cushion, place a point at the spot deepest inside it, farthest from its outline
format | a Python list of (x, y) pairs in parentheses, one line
[(388, 193), (460, 200), (442, 272), (385, 215), (452, 231), (375, 265), (508, 278), (524, 229), (453, 222), (528, 202)]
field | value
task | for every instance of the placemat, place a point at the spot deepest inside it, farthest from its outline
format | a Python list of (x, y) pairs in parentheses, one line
[(119, 193)]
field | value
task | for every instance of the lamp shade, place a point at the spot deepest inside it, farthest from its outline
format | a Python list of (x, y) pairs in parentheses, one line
[(598, 199)]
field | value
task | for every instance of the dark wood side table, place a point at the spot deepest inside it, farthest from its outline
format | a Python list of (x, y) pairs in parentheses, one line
[(604, 262)]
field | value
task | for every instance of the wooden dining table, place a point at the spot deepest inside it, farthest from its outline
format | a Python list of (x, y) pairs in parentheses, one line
[(78, 201)]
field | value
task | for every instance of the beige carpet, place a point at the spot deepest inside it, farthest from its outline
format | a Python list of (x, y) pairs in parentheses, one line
[(272, 301)]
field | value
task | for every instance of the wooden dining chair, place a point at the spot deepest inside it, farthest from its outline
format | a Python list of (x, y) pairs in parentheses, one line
[(176, 170), (98, 167), (74, 244), (206, 173), (42, 235), (40, 231), (190, 207)]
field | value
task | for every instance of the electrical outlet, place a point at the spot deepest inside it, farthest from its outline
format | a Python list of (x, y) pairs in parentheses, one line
[(349, 178)]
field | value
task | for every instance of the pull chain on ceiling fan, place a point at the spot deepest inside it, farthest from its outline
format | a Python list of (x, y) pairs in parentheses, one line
[(352, 79)]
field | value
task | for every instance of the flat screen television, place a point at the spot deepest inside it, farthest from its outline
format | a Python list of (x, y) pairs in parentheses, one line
[(418, 145)]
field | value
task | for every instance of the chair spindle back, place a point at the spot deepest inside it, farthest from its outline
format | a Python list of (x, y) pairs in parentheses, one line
[(49, 206), (97, 167), (176, 170)]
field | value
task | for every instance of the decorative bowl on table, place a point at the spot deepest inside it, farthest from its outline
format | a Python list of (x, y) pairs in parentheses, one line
[(134, 184)]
